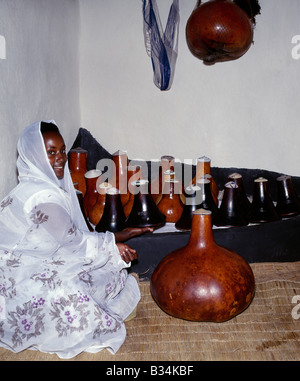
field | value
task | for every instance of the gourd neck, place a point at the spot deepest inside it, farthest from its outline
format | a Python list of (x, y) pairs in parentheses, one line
[(171, 189), (201, 232)]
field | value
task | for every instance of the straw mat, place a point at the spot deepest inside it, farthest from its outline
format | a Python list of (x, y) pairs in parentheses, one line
[(267, 330)]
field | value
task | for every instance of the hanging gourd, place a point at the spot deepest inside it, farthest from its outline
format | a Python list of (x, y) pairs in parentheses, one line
[(221, 30)]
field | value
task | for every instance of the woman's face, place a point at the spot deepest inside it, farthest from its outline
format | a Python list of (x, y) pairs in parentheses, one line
[(56, 151)]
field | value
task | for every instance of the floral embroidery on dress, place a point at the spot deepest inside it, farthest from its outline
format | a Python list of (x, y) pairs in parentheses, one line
[(4, 254), (123, 277), (14, 261), (109, 288), (82, 298), (27, 322), (38, 217), (116, 285), (106, 324), (7, 201), (7, 290), (1, 329), (2, 308), (71, 315), (37, 302), (54, 261), (72, 230), (85, 277), (46, 277)]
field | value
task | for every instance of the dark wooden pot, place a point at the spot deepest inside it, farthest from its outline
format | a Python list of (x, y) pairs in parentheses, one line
[(91, 194), (170, 203), (119, 179), (243, 199), (203, 170), (78, 167), (288, 204), (134, 172), (97, 209), (262, 207), (230, 212), (156, 186), (192, 203), (144, 210), (113, 218)]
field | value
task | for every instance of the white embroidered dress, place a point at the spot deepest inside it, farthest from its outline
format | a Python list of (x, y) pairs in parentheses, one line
[(63, 289)]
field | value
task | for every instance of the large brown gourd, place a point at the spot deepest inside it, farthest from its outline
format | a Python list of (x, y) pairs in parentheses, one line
[(202, 281), (219, 30)]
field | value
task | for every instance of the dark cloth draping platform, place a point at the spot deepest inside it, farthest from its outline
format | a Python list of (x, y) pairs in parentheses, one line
[(270, 242), (277, 241)]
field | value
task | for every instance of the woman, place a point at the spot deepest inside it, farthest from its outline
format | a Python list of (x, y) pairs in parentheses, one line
[(63, 289)]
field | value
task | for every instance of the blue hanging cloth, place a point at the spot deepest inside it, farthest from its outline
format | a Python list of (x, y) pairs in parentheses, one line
[(161, 46)]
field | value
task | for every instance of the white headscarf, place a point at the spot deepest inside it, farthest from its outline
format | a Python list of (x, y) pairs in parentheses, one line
[(34, 167)]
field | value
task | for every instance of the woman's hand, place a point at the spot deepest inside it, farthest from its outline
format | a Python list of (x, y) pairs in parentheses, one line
[(126, 252), (127, 233)]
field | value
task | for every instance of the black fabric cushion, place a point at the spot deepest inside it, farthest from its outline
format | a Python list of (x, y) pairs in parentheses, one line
[(277, 241)]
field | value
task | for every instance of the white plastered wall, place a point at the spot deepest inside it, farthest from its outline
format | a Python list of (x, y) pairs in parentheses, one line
[(241, 113), (39, 77)]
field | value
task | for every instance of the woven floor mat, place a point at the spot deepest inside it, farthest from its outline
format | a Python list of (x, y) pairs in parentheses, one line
[(268, 330), (289, 271)]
